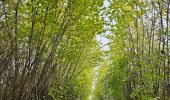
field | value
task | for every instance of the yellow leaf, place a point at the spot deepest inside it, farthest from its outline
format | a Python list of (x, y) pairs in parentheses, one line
[(127, 8)]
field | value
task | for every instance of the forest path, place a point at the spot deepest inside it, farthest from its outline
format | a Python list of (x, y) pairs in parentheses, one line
[(103, 40), (94, 81)]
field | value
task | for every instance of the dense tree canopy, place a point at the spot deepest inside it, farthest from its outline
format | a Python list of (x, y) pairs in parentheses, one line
[(45, 45), (139, 49), (49, 50)]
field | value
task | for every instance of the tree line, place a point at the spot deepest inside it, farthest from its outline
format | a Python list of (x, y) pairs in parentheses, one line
[(139, 49), (47, 47)]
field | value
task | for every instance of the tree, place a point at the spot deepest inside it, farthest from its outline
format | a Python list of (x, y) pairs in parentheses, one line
[(140, 48), (43, 43)]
